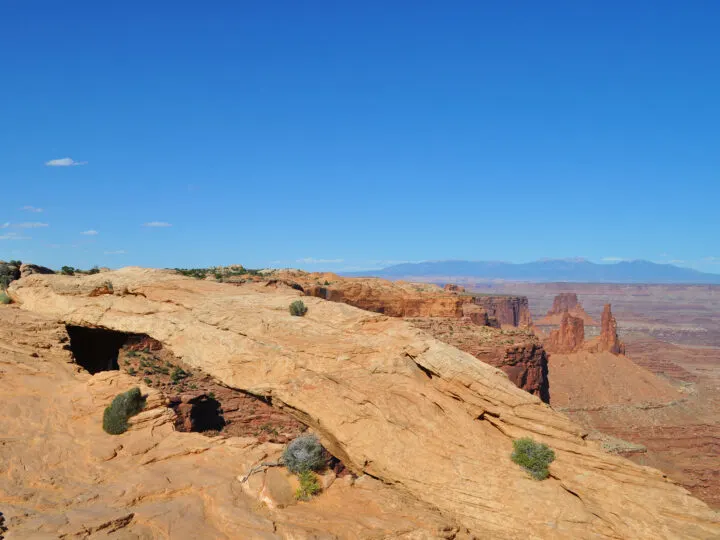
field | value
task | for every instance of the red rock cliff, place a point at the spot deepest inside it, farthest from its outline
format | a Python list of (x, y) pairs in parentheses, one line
[(517, 352), (608, 339), (566, 302), (508, 310), (569, 337)]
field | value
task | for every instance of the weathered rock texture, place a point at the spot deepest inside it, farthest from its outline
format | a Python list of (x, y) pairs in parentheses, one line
[(451, 287), (569, 337), (566, 303), (507, 310), (61, 476), (403, 299), (518, 353), (29, 269), (389, 401), (608, 339)]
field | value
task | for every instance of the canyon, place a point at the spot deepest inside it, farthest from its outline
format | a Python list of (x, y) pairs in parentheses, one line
[(424, 428)]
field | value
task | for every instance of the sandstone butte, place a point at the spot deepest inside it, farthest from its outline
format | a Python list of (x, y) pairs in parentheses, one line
[(608, 339), (566, 303), (431, 423), (569, 337)]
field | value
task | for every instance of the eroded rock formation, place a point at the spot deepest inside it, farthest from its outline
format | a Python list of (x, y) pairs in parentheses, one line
[(63, 477), (518, 353), (387, 399), (569, 337), (608, 339), (29, 269), (452, 287), (566, 303), (507, 310)]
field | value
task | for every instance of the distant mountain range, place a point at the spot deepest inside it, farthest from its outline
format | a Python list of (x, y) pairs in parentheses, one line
[(576, 270)]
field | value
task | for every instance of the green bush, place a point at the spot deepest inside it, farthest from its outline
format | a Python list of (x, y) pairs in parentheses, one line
[(309, 486), (122, 407), (4, 298), (297, 308), (178, 374), (533, 457), (304, 453), (67, 271)]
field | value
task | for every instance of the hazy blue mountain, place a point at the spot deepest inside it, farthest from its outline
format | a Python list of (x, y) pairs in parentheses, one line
[(578, 270)]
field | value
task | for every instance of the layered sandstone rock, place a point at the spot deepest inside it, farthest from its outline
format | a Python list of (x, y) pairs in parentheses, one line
[(388, 400), (566, 303), (389, 298), (451, 287), (62, 476), (29, 269), (403, 299), (479, 316), (507, 310), (569, 337), (518, 353), (608, 339)]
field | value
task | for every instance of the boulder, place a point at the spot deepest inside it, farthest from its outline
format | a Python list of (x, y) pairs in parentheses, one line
[(29, 269)]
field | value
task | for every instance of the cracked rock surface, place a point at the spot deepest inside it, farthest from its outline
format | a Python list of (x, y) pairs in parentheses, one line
[(430, 422)]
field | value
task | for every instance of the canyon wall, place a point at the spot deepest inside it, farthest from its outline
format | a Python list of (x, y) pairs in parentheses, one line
[(508, 310), (518, 353)]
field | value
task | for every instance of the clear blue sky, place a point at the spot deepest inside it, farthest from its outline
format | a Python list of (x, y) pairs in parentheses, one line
[(359, 133)]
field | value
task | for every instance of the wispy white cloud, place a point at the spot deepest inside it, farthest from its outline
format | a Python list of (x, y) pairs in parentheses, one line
[(116, 252), (13, 236), (312, 260), (5, 225), (712, 259), (91, 232), (29, 208), (677, 261), (30, 225), (64, 162), (612, 259), (157, 224)]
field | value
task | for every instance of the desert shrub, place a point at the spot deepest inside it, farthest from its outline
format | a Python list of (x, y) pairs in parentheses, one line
[(67, 271), (94, 270), (4, 298), (297, 308), (108, 285), (122, 407), (533, 457), (309, 486), (178, 374), (304, 453)]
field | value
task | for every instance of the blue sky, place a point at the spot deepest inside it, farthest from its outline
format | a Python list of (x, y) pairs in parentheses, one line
[(337, 135)]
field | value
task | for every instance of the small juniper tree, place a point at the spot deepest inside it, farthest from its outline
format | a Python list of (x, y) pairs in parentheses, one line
[(304, 453), (125, 405), (297, 308), (533, 457)]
